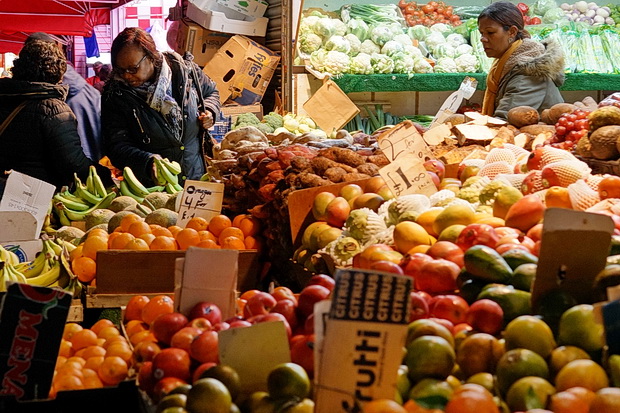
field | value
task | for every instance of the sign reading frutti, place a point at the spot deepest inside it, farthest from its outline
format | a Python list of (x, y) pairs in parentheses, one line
[(367, 321), (200, 199)]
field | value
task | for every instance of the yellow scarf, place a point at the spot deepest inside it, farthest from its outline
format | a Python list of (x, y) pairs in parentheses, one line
[(494, 77)]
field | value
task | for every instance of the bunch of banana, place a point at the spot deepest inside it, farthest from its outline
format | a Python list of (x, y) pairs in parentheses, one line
[(167, 175), (84, 199), (8, 256), (43, 271), (132, 187)]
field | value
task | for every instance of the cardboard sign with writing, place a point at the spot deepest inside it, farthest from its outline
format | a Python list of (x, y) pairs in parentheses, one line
[(404, 139), (31, 321), (367, 321), (25, 193), (207, 275), (321, 316), (330, 108), (565, 262), (254, 351), (453, 102), (200, 199), (407, 175)]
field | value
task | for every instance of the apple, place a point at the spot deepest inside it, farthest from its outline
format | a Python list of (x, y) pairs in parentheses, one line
[(183, 338), (448, 251), (201, 369), (419, 306), (271, 317), (259, 303), (322, 279), (485, 316), (302, 352), (207, 310), (165, 386), (309, 296), (171, 362), (281, 292), (204, 348), (462, 327), (166, 325), (449, 307), (240, 323), (309, 324), (435, 166), (386, 266), (442, 321), (145, 351), (200, 323), (477, 234), (221, 326), (146, 382), (535, 233), (412, 263), (437, 276), (288, 309)]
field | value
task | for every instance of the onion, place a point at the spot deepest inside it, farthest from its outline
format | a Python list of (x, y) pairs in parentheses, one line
[(576, 16), (609, 20), (590, 13), (602, 12), (566, 6), (592, 4), (599, 20), (582, 6)]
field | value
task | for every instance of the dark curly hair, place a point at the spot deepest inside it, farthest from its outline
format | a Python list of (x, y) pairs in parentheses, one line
[(135, 36), (40, 61), (506, 14)]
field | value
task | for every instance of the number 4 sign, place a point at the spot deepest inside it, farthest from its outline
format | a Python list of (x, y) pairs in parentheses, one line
[(406, 175)]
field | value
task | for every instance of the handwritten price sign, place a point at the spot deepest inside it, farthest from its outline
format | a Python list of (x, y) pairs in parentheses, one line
[(200, 199), (402, 140), (407, 175)]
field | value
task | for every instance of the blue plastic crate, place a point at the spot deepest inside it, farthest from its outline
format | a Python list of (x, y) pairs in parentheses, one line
[(221, 127)]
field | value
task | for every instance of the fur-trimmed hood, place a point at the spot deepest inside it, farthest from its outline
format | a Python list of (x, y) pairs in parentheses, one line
[(539, 59)]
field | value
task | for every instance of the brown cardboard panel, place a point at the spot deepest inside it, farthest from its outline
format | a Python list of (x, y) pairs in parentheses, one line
[(330, 107)]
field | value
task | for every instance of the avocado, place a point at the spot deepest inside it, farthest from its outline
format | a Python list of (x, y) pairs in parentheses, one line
[(517, 256), (487, 264)]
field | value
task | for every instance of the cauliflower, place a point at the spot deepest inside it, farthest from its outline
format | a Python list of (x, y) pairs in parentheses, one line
[(434, 39), (404, 39), (369, 47), (338, 43), (442, 28), (327, 27), (488, 193), (418, 32), (392, 47), (309, 42), (455, 39), (307, 24), (358, 28), (381, 34), (413, 51), (381, 63), (317, 59), (445, 65), (306, 120), (421, 65), (463, 49), (355, 44), (403, 63), (290, 123), (443, 50), (336, 62), (466, 63), (361, 64)]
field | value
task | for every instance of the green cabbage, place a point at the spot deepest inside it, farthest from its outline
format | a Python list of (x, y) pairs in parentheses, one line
[(359, 28)]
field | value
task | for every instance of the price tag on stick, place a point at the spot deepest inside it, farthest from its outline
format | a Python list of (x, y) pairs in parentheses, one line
[(200, 199), (407, 175)]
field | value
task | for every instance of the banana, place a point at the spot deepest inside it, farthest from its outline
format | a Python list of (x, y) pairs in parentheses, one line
[(90, 184), (157, 188), (170, 188), (79, 216), (11, 274), (52, 247), (62, 217), (66, 245), (165, 172), (160, 180), (68, 195), (133, 182), (172, 166), (8, 256), (177, 187), (98, 183), (82, 192), (126, 190), (32, 268), (48, 277), (71, 204)]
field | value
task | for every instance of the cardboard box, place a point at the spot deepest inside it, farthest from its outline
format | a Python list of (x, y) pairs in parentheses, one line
[(18, 234), (148, 272), (25, 250), (213, 16), (232, 111), (242, 70), (252, 8), (201, 43)]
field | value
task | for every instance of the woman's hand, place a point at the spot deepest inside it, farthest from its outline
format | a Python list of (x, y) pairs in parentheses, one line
[(206, 120)]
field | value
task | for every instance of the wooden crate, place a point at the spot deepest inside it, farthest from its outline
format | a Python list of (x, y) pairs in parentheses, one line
[(76, 311)]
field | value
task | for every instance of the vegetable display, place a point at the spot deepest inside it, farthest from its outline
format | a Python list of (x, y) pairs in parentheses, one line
[(428, 14)]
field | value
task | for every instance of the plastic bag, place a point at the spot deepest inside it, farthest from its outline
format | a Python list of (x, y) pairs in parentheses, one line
[(611, 100)]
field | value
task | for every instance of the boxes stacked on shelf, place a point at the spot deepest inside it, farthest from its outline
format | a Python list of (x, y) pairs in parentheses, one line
[(235, 17), (201, 43)]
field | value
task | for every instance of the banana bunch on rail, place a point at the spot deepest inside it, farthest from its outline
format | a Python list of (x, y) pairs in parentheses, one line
[(47, 269), (166, 176), (85, 198)]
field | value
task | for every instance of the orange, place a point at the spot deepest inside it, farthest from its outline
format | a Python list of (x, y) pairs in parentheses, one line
[(206, 235), (77, 252), (94, 244), (218, 223), (137, 244), (94, 362), (158, 230), (582, 373), (138, 228), (160, 304), (66, 349), (187, 237), (141, 336), (92, 351), (208, 244), (471, 401), (583, 393), (230, 232), (135, 326), (249, 225), (91, 379), (163, 242), (607, 400), (100, 324), (252, 243), (112, 340), (383, 406), (84, 268), (111, 238), (148, 238), (567, 402), (97, 232), (197, 223), (108, 332), (120, 349), (237, 219), (119, 241), (83, 339), (174, 229), (129, 219), (60, 360), (232, 243), (68, 382), (76, 361), (113, 370), (133, 310)]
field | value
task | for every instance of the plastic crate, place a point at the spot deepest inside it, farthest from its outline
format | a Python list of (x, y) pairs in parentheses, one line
[(221, 127)]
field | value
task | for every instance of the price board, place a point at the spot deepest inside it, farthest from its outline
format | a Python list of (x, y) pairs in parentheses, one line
[(407, 175), (402, 140), (200, 199)]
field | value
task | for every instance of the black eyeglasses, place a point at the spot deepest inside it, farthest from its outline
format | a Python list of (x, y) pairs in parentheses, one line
[(132, 70)]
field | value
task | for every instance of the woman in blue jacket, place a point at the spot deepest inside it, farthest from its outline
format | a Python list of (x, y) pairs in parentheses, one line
[(151, 108)]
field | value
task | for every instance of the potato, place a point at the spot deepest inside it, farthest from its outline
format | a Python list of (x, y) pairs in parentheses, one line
[(556, 111), (537, 129), (522, 116), (544, 117)]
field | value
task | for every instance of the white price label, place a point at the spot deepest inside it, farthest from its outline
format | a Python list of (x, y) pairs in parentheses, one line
[(407, 175), (200, 199), (404, 140)]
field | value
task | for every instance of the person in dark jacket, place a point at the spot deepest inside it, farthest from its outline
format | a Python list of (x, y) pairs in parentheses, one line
[(525, 72), (151, 108), (85, 102), (42, 139)]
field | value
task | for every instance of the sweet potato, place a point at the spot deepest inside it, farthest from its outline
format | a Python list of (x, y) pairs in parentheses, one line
[(522, 116), (556, 111), (538, 129)]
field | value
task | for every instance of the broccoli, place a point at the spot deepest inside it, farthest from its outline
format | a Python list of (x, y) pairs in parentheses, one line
[(274, 120), (488, 193), (246, 119), (265, 128)]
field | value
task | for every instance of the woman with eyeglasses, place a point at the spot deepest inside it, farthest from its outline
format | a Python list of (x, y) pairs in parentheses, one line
[(525, 72), (155, 105)]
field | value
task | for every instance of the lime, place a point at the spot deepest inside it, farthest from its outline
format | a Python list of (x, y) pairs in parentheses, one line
[(485, 380), (582, 373), (226, 375), (519, 363), (430, 389), (208, 396), (171, 400), (529, 393), (529, 332), (578, 327), (288, 380), (429, 357)]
